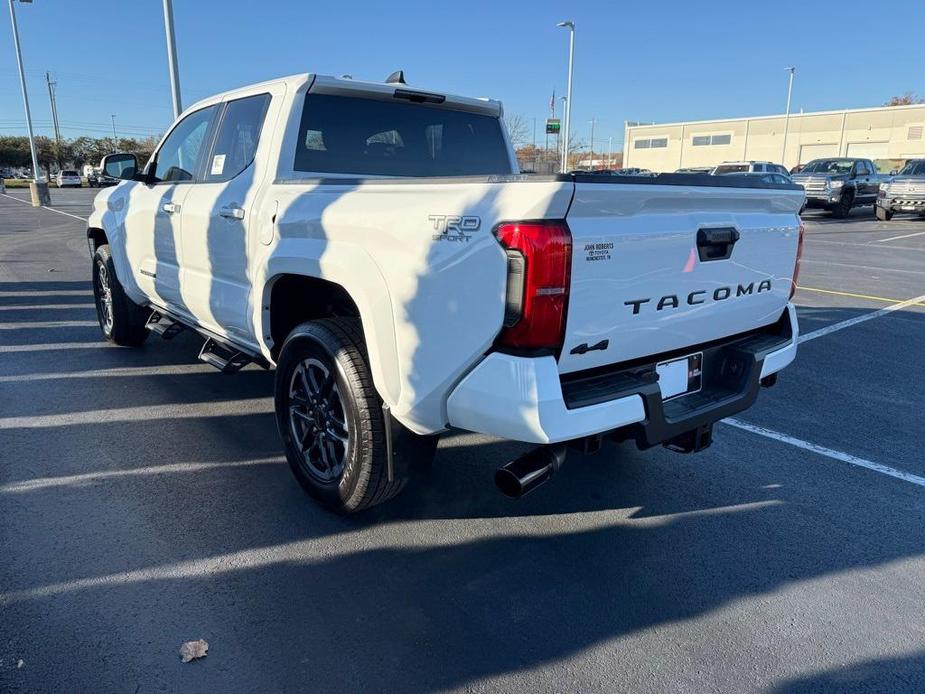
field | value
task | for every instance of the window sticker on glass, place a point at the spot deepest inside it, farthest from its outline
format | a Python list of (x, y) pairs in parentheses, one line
[(218, 165)]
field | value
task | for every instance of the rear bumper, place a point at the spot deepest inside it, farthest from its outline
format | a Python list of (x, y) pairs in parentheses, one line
[(525, 399)]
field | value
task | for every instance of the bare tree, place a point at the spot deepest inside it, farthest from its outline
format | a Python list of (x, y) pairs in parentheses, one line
[(518, 129), (906, 99)]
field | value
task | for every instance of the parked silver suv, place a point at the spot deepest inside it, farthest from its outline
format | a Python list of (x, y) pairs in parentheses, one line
[(905, 192), (728, 167)]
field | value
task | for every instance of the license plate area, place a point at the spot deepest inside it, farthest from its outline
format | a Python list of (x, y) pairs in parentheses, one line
[(680, 377)]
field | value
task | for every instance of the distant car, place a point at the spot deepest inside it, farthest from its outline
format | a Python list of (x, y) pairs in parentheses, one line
[(764, 177), (905, 192), (633, 171), (748, 167), (68, 178), (6, 172), (97, 179), (695, 170)]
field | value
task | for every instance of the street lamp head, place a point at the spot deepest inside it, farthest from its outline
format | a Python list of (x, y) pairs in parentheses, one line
[(790, 69), (570, 24)]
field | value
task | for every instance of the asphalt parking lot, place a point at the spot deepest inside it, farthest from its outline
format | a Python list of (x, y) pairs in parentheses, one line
[(144, 502)]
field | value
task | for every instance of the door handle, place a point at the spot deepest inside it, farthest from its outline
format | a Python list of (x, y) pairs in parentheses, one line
[(232, 212), (716, 243), (170, 207)]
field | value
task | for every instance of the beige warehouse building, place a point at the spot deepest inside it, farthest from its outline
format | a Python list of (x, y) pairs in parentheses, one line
[(888, 135)]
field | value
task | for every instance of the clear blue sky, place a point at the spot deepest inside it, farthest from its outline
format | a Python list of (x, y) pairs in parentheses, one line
[(645, 61)]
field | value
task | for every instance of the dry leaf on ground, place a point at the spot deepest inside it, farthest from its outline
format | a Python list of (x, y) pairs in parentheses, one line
[(193, 649)]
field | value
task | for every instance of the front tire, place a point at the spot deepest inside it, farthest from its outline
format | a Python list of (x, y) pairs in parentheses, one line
[(882, 214), (121, 319), (842, 208), (330, 417)]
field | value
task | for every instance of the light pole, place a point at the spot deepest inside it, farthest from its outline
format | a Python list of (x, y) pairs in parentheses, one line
[(610, 152), (593, 120), (114, 141), (570, 25), (172, 58), (39, 189), (783, 155)]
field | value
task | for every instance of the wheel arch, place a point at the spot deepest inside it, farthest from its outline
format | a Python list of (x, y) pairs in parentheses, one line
[(96, 237), (292, 295)]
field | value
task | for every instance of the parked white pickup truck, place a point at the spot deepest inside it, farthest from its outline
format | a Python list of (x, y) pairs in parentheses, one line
[(375, 245)]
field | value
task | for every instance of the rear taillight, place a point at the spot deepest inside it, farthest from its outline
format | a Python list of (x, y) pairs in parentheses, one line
[(796, 267), (539, 263)]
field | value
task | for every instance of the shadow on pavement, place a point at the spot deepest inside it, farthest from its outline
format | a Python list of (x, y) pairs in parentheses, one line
[(886, 675)]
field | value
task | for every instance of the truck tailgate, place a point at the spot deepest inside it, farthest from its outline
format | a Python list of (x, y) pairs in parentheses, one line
[(648, 269)]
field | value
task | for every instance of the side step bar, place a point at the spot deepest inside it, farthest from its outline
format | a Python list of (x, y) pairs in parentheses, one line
[(162, 325), (223, 357)]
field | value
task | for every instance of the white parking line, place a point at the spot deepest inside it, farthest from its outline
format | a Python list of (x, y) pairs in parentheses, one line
[(52, 209), (43, 307), (6, 349), (38, 294), (865, 267), (49, 324), (828, 452), (860, 319), (904, 236)]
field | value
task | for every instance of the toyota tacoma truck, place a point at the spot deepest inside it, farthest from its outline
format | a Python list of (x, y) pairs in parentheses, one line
[(839, 184), (375, 245), (903, 193)]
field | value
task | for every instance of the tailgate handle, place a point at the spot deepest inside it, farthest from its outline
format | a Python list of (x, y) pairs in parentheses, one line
[(716, 243)]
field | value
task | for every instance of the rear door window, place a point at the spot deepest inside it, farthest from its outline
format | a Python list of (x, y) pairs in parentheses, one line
[(370, 137), (237, 138)]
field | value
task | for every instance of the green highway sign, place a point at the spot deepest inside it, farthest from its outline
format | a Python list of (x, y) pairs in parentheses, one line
[(552, 126)]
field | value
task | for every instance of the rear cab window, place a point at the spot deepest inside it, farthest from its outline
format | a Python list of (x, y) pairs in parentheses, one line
[(373, 137)]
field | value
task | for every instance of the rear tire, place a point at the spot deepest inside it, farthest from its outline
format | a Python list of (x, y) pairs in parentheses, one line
[(121, 319), (842, 208), (882, 214), (330, 417)]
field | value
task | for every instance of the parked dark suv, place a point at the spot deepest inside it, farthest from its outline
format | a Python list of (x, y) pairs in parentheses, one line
[(838, 184)]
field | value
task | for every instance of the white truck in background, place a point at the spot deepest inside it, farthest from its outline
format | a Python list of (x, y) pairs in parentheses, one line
[(375, 244)]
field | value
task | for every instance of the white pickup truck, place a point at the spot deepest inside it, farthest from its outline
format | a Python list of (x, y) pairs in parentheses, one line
[(375, 244)]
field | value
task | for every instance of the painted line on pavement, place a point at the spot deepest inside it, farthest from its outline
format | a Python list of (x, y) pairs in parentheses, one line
[(828, 452), (896, 238), (860, 319), (855, 296), (865, 267), (44, 207), (49, 324)]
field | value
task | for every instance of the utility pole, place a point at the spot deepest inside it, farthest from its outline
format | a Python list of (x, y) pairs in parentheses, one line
[(54, 115), (172, 59), (39, 189), (570, 25), (783, 155), (114, 140)]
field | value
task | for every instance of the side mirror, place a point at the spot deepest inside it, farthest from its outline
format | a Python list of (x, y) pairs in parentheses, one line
[(122, 165)]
